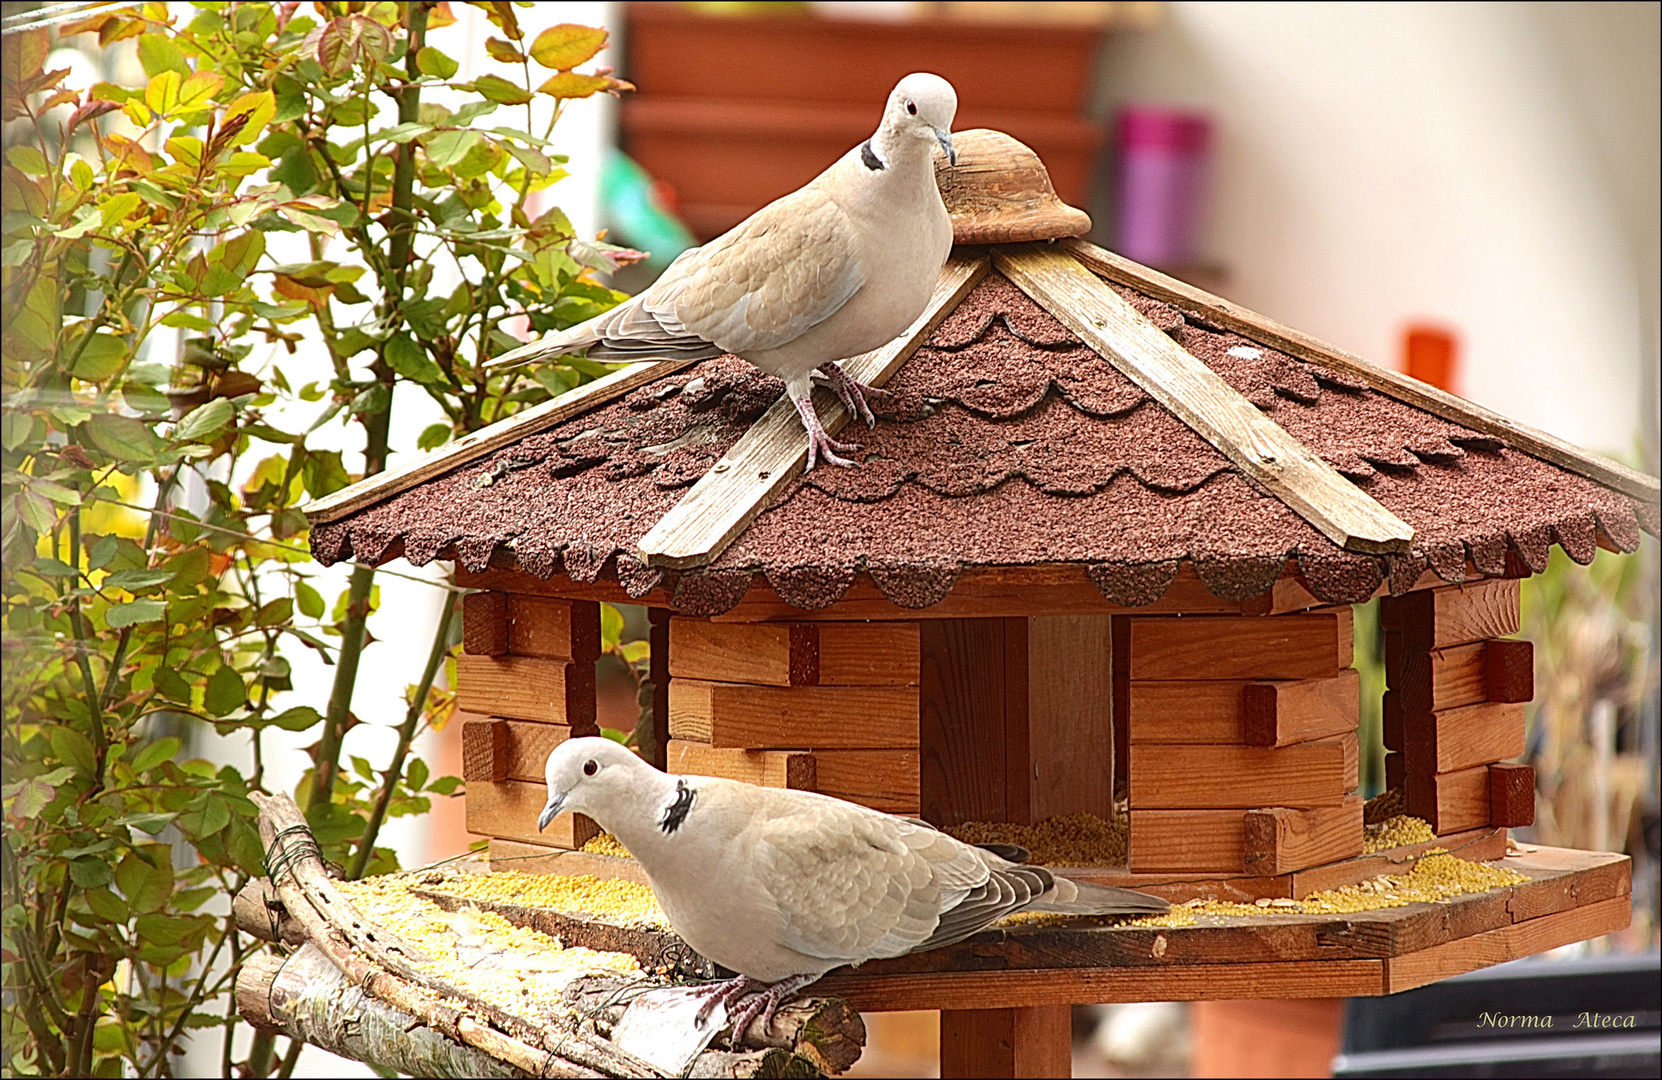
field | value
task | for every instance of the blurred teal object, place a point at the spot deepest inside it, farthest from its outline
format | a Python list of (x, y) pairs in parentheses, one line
[(636, 211)]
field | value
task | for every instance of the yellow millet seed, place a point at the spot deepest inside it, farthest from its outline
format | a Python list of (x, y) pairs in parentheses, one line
[(607, 844), (1068, 840), (1395, 832), (620, 902)]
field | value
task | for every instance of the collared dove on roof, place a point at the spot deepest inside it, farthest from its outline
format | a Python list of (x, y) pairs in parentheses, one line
[(831, 271), (782, 886)]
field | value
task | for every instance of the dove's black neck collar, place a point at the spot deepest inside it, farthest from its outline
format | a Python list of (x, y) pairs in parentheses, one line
[(676, 812), (869, 158)]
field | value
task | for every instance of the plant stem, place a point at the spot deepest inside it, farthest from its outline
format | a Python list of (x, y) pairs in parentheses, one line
[(406, 734)]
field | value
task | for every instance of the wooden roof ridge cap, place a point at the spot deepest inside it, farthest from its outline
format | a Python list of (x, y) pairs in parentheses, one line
[(1268, 332), (999, 192), (727, 498), (1262, 449), (474, 445)]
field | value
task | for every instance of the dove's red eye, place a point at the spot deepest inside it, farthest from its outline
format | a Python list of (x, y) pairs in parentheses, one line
[(590, 768), (912, 108)]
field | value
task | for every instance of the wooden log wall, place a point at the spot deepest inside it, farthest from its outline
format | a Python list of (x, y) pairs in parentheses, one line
[(524, 684), (822, 706), (1241, 741), (1454, 710)]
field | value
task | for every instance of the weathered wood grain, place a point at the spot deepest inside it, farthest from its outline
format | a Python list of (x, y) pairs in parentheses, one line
[(776, 717), (962, 697), (885, 780), (509, 809), (792, 769), (1186, 841), (1450, 801), (553, 629), (795, 654), (1455, 739), (1454, 614), (1268, 332), (528, 688), (485, 623), (1317, 773), (1198, 396), (772, 453), (1482, 844), (1280, 647), (1204, 711), (1280, 840), (1034, 1041), (1507, 943), (1069, 736), (1282, 713), (484, 750)]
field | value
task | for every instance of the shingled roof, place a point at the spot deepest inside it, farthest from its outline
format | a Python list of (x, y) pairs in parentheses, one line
[(1005, 441)]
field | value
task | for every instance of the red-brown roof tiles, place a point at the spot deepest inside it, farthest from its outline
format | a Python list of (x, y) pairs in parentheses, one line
[(1003, 441)]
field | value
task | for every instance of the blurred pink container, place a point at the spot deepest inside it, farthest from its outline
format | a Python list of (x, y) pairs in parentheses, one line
[(1164, 155)]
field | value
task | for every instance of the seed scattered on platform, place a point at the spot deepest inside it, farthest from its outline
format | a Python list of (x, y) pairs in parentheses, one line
[(1399, 831), (607, 844), (1068, 840)]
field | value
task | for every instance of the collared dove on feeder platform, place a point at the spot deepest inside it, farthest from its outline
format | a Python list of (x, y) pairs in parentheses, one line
[(828, 272), (782, 885)]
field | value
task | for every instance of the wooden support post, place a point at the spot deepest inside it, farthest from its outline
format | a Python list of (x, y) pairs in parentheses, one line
[(659, 622), (1007, 1042), (1511, 795)]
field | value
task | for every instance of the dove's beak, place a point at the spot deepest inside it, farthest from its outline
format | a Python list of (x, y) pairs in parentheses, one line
[(945, 139), (551, 811)]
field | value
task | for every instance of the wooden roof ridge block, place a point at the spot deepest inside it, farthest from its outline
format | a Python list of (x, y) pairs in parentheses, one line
[(1275, 335), (768, 456), (1198, 396), (474, 445)]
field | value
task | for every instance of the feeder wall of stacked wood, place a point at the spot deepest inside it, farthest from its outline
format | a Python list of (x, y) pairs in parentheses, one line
[(524, 685), (1242, 741), (828, 707), (1454, 710)]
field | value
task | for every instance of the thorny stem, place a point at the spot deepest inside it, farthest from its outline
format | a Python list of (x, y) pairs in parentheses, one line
[(406, 734)]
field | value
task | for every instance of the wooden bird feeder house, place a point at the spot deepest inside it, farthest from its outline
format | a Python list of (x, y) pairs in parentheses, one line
[(1099, 557)]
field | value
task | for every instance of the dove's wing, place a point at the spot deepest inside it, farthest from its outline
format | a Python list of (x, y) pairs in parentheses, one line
[(852, 885)]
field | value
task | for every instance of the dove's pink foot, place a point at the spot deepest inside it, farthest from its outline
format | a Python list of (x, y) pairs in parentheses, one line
[(751, 1000), (851, 391), (819, 443)]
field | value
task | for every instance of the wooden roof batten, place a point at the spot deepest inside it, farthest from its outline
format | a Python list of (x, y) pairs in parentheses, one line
[(1195, 394)]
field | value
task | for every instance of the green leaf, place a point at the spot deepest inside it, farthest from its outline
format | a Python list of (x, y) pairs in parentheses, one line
[(107, 905), (164, 929), (91, 873), (572, 84), (55, 491), (611, 627), (635, 653), (155, 753), (28, 159), (134, 612), (102, 357), (274, 612), (298, 718), (146, 887), (309, 599), (162, 91), (224, 692), (205, 421), (449, 147), (159, 53), (445, 785), (32, 798), (565, 46), (430, 61), (171, 685), (500, 90), (415, 775), (133, 580), (70, 746), (411, 361), (114, 210), (122, 437)]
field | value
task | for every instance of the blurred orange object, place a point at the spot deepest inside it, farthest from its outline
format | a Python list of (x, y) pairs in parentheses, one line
[(1430, 355), (1265, 1038)]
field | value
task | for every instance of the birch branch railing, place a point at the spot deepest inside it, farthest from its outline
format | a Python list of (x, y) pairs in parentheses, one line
[(359, 991)]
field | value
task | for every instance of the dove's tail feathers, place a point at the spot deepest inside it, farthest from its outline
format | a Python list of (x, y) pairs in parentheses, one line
[(1069, 897), (1010, 853), (560, 343)]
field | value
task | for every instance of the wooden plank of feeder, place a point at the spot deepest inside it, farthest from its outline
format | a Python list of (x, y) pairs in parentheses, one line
[(884, 780), (484, 750), (1283, 647), (1443, 679), (1454, 614), (1507, 943), (1573, 878), (1204, 711), (795, 654), (528, 688), (1482, 844), (1317, 773), (792, 769), (1453, 739), (1509, 671), (475, 445), (776, 717), (509, 810), (963, 696), (485, 623), (1068, 731), (1511, 795), (1279, 840), (522, 747), (1186, 841), (772, 453), (1286, 712), (1036, 1041), (1449, 801), (1198, 396), (553, 629), (1438, 402)]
